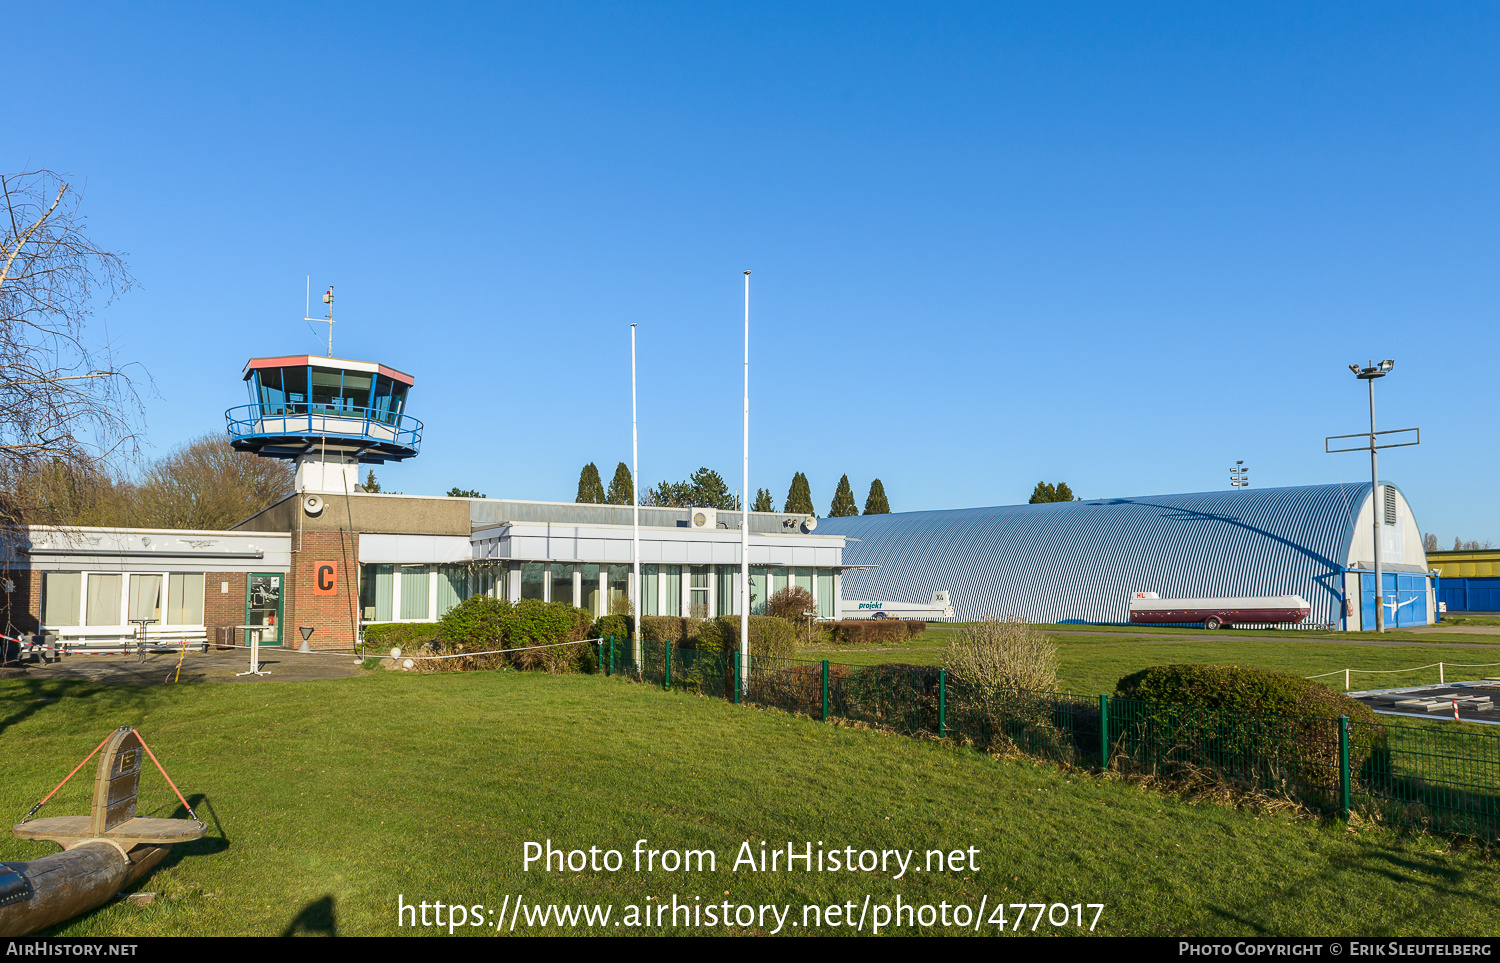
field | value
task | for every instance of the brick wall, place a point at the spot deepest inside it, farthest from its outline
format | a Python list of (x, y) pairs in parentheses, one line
[(333, 617), (220, 607)]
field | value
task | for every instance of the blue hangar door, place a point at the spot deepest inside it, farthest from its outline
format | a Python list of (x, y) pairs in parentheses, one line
[(1405, 598)]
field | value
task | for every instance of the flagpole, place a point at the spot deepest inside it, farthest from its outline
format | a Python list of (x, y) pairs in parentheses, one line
[(745, 513), (635, 509)]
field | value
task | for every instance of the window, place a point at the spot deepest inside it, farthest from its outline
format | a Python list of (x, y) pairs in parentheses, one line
[(184, 599), (145, 597), (562, 583), (589, 598), (825, 594), (414, 586), (533, 580), (698, 592), (452, 587), (724, 600), (671, 580), (375, 592), (619, 587), (758, 593), (104, 600), (650, 585), (61, 598)]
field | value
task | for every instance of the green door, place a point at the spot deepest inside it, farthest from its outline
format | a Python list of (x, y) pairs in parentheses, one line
[(263, 605)]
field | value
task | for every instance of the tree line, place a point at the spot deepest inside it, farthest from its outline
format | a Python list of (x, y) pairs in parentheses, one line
[(706, 488)]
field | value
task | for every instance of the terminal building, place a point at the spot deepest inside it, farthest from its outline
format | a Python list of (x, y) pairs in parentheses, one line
[(322, 563)]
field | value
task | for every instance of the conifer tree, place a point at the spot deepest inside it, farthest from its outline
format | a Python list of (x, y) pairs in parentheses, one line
[(371, 485), (1064, 493), (621, 488), (1043, 493), (843, 500), (590, 488), (763, 502), (876, 503), (799, 496)]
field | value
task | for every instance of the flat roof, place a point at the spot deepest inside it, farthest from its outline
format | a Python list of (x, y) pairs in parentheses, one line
[(318, 361)]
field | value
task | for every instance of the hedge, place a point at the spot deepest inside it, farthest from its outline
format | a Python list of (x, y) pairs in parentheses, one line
[(875, 631), (1251, 723), (483, 623)]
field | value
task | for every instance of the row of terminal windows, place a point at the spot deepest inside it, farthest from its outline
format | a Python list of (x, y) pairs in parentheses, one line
[(113, 599), (416, 593)]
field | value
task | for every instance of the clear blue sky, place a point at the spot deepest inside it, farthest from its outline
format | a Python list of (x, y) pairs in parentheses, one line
[(1117, 245)]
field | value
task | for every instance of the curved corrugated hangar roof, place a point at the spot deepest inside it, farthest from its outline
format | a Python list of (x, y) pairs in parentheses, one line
[(1080, 561)]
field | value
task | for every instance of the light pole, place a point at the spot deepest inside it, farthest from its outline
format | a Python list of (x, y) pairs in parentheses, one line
[(1239, 476), (1372, 442)]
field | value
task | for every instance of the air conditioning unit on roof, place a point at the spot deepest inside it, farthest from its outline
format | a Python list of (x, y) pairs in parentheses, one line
[(707, 518)]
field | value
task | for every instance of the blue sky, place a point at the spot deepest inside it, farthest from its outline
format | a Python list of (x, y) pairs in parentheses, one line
[(1117, 245)]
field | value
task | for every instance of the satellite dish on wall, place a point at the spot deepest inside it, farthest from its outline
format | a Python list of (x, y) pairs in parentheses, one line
[(312, 504)]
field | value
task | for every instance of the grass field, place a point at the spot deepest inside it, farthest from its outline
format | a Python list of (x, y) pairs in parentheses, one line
[(330, 801), (1092, 659)]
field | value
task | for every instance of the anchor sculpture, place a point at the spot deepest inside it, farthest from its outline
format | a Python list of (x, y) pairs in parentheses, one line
[(103, 852)]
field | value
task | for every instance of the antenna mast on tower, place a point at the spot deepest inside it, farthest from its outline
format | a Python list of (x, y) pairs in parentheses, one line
[(328, 300)]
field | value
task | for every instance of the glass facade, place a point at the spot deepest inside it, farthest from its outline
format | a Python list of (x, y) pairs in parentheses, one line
[(391, 593), (300, 389), (62, 595)]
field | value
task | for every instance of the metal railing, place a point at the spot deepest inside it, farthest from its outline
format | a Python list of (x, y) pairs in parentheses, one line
[(1433, 776), (282, 420)]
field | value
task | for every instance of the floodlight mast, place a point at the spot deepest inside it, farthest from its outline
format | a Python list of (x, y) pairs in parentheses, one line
[(1368, 375)]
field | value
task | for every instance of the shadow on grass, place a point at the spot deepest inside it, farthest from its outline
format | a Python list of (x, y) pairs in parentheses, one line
[(316, 919), (27, 697)]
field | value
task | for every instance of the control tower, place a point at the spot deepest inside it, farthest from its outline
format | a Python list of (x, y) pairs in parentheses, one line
[(329, 415)]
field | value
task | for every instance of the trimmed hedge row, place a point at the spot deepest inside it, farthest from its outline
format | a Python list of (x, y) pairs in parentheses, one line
[(875, 631)]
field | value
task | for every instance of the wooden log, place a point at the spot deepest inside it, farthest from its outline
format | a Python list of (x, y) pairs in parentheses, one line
[(63, 885)]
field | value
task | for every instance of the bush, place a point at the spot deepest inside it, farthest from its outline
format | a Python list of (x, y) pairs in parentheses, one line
[(1002, 654), (769, 637), (796, 605), (670, 628), (875, 631), (407, 635), (483, 623), (1277, 730), (611, 625)]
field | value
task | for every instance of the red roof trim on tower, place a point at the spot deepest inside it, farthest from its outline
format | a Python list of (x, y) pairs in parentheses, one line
[(255, 364)]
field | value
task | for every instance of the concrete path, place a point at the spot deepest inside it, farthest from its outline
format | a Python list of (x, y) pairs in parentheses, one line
[(283, 665)]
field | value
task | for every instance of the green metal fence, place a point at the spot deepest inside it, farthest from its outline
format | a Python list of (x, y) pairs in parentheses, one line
[(1426, 775)]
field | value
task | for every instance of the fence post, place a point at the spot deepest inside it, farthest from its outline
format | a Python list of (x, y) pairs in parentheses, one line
[(942, 703), (666, 676), (611, 655), (1104, 732), (599, 651), (1344, 763), (737, 661), (1441, 680), (825, 690)]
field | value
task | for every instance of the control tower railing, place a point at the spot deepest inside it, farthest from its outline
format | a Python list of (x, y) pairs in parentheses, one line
[(396, 434)]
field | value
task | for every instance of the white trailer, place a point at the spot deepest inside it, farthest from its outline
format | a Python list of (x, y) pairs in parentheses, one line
[(938, 608)]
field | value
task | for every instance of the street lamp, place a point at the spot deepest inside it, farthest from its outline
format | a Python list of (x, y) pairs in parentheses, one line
[(1239, 476), (1372, 442)]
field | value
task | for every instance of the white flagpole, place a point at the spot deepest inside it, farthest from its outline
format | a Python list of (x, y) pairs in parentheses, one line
[(745, 514), (635, 509)]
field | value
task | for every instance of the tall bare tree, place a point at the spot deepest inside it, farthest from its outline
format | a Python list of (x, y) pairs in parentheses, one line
[(207, 484), (61, 396)]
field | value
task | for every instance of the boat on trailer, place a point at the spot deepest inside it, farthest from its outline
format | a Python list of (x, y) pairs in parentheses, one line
[(103, 852), (1149, 608)]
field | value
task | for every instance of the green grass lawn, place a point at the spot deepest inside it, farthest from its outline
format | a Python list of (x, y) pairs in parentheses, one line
[(330, 801), (1092, 659)]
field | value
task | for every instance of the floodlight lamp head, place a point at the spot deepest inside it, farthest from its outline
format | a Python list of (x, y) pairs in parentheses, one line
[(1387, 364), (1354, 368)]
